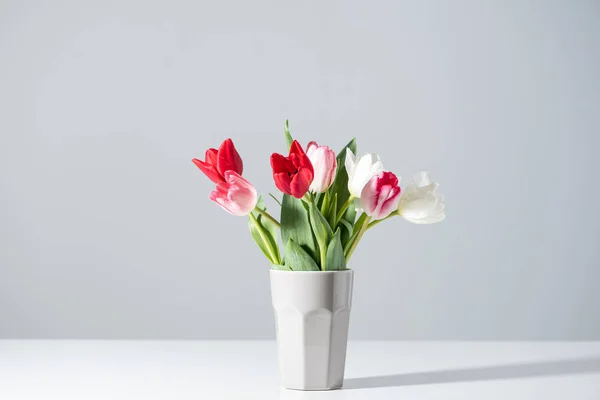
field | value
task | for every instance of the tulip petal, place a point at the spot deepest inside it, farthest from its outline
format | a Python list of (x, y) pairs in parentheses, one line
[(369, 197), (298, 157), (361, 171), (237, 196), (228, 159), (300, 182), (220, 200), (385, 193), (418, 207), (324, 165), (422, 179), (420, 203), (390, 204), (277, 162), (211, 156), (292, 174), (282, 181), (295, 148), (377, 167), (209, 170), (222, 188), (381, 195), (280, 163), (311, 147), (350, 162), (433, 219)]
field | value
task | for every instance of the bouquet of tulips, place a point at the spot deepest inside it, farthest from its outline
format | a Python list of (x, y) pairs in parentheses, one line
[(328, 202)]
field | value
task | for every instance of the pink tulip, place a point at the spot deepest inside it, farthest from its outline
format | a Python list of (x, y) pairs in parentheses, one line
[(324, 164), (235, 195), (381, 195)]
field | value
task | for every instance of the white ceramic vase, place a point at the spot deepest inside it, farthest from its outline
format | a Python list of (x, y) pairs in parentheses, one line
[(312, 312)]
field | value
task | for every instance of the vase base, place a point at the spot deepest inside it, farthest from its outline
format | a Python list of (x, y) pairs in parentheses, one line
[(299, 389)]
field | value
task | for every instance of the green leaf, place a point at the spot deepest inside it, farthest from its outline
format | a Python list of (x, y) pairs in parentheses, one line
[(321, 230), (288, 136), (259, 240), (261, 237), (355, 231), (272, 231), (275, 198), (297, 259), (304, 204), (349, 217), (264, 233), (269, 225), (319, 224), (280, 267), (361, 220), (340, 185), (335, 253), (295, 224), (323, 200), (348, 228), (332, 212)]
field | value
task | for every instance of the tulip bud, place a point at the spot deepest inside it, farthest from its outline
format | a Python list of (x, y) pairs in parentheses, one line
[(235, 194), (217, 162), (324, 165), (381, 195)]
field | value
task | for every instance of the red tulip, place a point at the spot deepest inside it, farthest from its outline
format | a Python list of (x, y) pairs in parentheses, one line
[(292, 174), (235, 195), (380, 196), (217, 162)]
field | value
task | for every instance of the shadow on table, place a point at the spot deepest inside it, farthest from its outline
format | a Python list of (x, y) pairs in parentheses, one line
[(507, 371)]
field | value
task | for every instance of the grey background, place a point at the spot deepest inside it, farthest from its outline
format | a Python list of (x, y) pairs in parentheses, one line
[(106, 229)]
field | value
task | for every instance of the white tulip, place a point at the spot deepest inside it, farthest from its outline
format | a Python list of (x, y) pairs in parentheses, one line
[(420, 204), (360, 172)]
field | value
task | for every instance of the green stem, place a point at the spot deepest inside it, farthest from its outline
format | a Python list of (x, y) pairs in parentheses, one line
[(340, 213), (372, 224), (268, 216), (272, 252), (310, 197), (362, 231), (323, 251)]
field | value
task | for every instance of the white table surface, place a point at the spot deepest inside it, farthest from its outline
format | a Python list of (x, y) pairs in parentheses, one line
[(148, 370)]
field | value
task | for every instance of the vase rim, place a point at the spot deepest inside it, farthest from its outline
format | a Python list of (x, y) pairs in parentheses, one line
[(313, 272)]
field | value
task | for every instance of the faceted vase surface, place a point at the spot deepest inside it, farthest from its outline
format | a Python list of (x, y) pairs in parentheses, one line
[(312, 311)]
